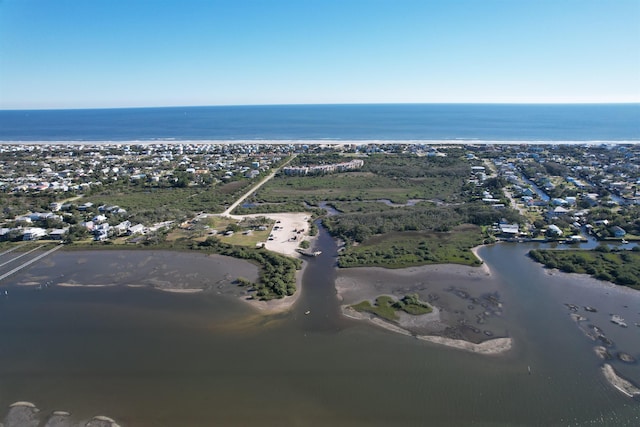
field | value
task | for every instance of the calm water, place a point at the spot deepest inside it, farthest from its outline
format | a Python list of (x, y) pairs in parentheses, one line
[(456, 122), (149, 358)]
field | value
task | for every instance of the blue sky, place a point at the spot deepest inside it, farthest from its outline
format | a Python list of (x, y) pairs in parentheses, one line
[(123, 53)]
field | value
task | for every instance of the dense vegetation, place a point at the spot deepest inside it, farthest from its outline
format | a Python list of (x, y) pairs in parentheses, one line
[(386, 307), (361, 225), (414, 235), (394, 177), (278, 275), (149, 205), (398, 250), (621, 267), (377, 224)]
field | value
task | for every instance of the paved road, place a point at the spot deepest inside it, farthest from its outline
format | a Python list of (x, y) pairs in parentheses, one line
[(255, 188)]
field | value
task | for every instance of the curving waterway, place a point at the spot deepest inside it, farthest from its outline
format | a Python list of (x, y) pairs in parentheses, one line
[(151, 358)]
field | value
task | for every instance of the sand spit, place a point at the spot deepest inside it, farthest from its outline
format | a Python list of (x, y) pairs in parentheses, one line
[(484, 267), (78, 285), (618, 382), (281, 305), (490, 347), (28, 284), (494, 346), (22, 403), (180, 290)]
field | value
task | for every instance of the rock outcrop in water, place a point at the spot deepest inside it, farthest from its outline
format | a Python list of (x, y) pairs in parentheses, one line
[(26, 414)]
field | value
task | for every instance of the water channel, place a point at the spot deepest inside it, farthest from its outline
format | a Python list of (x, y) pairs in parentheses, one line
[(150, 358)]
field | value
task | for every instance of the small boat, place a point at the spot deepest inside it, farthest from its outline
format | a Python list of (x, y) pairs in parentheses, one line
[(309, 253), (307, 312)]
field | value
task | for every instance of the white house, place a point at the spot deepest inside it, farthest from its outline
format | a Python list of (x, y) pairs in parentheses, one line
[(33, 233)]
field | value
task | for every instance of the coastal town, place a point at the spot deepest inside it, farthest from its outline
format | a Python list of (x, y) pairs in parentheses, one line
[(562, 192), (420, 209)]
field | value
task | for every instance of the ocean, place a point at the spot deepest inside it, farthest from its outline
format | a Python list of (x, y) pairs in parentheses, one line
[(462, 123)]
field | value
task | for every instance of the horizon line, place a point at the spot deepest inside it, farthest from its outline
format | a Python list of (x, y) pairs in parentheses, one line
[(314, 104)]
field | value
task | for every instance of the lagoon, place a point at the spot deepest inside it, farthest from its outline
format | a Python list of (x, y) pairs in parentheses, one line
[(151, 358)]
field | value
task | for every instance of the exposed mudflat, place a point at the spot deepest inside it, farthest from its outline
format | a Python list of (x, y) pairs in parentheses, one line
[(467, 304)]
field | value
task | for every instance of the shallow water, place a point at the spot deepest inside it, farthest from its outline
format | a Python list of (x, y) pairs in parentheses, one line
[(150, 358)]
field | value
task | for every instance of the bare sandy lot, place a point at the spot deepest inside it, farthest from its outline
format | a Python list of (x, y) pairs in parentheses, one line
[(289, 230)]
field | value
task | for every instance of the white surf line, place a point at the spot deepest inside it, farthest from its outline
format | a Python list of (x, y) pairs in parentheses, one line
[(28, 263), (11, 250), (20, 256)]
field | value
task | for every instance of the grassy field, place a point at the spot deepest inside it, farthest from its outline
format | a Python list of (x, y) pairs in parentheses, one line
[(356, 186), (159, 204), (394, 177), (246, 233)]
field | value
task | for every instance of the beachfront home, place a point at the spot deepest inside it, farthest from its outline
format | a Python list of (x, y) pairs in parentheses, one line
[(136, 229), (122, 228), (101, 232), (33, 233), (58, 233)]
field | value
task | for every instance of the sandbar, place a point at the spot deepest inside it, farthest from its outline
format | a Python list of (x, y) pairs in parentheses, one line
[(618, 382), (490, 347), (77, 285), (22, 403), (181, 290)]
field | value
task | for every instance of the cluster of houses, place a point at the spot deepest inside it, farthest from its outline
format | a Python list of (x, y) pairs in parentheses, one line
[(586, 181), (35, 168), (98, 227)]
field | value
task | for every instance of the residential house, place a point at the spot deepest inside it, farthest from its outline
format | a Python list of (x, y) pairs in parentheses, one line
[(617, 231), (33, 233)]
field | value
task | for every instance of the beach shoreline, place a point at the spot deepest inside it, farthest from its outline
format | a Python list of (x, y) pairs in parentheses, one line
[(484, 267)]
